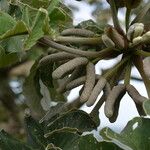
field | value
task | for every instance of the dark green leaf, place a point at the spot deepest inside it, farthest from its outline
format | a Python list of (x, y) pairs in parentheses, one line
[(146, 106), (71, 140), (130, 4), (119, 4), (73, 119), (35, 133), (90, 25), (134, 136), (13, 44), (46, 74), (31, 90), (53, 113), (7, 59), (9, 143), (52, 147), (14, 11)]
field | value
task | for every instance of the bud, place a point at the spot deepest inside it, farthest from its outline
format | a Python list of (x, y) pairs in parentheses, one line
[(130, 4), (107, 41), (113, 34), (146, 37), (137, 40), (135, 30), (119, 3)]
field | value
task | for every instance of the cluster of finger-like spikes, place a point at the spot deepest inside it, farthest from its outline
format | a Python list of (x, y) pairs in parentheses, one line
[(77, 64)]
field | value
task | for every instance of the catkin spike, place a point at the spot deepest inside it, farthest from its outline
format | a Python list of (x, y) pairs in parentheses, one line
[(96, 91), (77, 82), (90, 54), (70, 65), (79, 40), (113, 118), (78, 32), (107, 90), (55, 57), (90, 82), (135, 95), (107, 41), (74, 75), (115, 95), (113, 34)]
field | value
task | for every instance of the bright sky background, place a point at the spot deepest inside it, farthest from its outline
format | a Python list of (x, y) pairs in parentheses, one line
[(127, 108)]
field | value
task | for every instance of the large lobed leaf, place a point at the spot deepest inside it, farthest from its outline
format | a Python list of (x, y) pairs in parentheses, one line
[(65, 138), (31, 90), (37, 28), (35, 133), (7, 142), (7, 22), (135, 135), (19, 29), (73, 119), (71, 140), (146, 106)]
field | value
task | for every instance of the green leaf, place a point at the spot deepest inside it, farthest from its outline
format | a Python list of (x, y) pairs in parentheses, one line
[(15, 11), (71, 140), (7, 22), (53, 113), (31, 90), (7, 142), (7, 59), (19, 29), (141, 13), (73, 119), (35, 133), (88, 142), (60, 19), (90, 25), (52, 147), (146, 106), (37, 30), (13, 44), (46, 74), (25, 15), (52, 5), (36, 3), (134, 136)]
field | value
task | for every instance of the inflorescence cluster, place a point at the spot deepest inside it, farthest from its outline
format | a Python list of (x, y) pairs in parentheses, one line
[(77, 64)]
